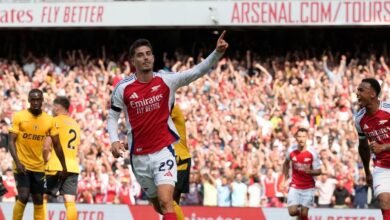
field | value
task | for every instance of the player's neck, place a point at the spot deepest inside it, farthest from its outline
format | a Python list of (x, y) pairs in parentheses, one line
[(35, 112), (301, 148), (373, 107), (144, 77)]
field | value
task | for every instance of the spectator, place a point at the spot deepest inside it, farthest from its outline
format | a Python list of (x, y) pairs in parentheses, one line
[(341, 197), (239, 192), (325, 188), (224, 193)]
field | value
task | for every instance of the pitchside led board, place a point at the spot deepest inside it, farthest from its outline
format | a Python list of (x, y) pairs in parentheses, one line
[(139, 212), (197, 13)]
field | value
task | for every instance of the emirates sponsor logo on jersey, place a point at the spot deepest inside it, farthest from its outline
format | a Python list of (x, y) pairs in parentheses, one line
[(379, 134), (301, 166), (382, 122), (147, 105)]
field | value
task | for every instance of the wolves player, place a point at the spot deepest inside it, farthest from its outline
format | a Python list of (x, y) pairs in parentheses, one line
[(373, 125), (305, 164), (29, 128), (146, 98), (69, 133)]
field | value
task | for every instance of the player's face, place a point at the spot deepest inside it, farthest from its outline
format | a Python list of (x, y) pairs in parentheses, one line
[(301, 139), (56, 109), (35, 99), (143, 59), (365, 94)]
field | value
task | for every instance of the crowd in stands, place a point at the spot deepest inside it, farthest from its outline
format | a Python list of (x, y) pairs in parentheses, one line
[(241, 118)]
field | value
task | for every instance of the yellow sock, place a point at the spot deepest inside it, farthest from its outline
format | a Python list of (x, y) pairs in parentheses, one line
[(18, 210), (38, 212), (71, 211), (44, 208), (178, 211)]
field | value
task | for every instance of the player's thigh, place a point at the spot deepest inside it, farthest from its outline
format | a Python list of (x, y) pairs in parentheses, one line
[(23, 185), (143, 174), (293, 197), (381, 178), (38, 182), (304, 211), (293, 210), (384, 200), (22, 180), (69, 186), (307, 197)]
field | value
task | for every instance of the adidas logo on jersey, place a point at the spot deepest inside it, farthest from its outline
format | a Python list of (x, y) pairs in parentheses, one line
[(168, 173), (134, 96), (365, 126)]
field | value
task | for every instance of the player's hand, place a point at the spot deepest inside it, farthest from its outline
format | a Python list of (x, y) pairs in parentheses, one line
[(307, 170), (369, 179), (117, 149), (222, 45), (20, 168), (377, 148), (63, 175)]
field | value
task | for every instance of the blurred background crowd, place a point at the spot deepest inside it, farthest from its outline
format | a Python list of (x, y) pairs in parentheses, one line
[(241, 117)]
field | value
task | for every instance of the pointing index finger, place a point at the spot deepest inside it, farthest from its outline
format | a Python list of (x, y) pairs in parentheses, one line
[(222, 35)]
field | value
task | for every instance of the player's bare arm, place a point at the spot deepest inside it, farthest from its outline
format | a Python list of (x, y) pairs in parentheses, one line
[(313, 172), (59, 152), (364, 152), (286, 167), (12, 149), (47, 145), (378, 148)]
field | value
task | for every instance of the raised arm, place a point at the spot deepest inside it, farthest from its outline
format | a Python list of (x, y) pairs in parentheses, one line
[(188, 76)]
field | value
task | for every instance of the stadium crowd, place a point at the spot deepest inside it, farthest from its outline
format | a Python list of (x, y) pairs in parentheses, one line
[(240, 120)]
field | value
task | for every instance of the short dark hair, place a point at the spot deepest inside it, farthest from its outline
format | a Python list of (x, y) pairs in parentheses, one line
[(302, 130), (139, 43), (35, 91), (63, 101), (374, 84)]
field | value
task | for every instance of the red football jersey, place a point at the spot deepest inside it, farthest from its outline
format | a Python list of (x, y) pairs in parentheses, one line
[(376, 128), (300, 161)]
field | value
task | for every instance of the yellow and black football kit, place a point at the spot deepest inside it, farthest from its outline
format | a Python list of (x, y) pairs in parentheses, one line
[(183, 156), (69, 134), (31, 131)]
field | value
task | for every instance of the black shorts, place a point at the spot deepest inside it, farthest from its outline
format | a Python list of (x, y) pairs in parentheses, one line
[(55, 185), (35, 181), (183, 176)]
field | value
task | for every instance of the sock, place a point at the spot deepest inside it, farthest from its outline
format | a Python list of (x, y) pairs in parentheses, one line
[(44, 208), (169, 216), (38, 212), (71, 211), (386, 214), (18, 210), (178, 211), (304, 218)]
